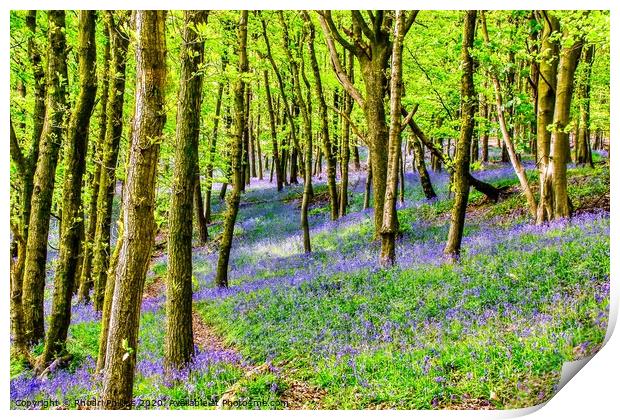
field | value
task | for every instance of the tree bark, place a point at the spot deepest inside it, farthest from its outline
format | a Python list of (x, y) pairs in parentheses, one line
[(514, 160), (221, 276), (547, 82), (274, 135), (179, 343), (582, 144), (425, 180), (346, 144), (139, 202), (86, 278), (212, 148), (390, 218), (560, 149), (44, 177), (461, 162), (75, 165), (119, 43), (327, 145)]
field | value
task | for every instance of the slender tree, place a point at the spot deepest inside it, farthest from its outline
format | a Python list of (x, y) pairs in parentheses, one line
[(139, 202), (328, 152), (86, 279), (44, 177), (274, 136), (212, 149), (75, 165), (221, 276), (179, 345), (119, 43), (582, 143), (390, 219), (460, 180)]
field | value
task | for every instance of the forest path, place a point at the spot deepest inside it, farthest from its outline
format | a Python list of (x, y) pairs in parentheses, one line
[(296, 395)]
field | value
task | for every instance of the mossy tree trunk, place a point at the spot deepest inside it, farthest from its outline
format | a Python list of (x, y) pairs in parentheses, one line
[(44, 177), (179, 344), (119, 42), (460, 179), (86, 278), (221, 276), (138, 206), (75, 165)]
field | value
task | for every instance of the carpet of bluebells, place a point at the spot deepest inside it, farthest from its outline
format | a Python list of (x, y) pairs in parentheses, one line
[(490, 332)]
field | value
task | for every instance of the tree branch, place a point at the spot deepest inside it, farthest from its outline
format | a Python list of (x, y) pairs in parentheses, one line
[(408, 117), (354, 127), (340, 73), (362, 23), (410, 19), (326, 16)]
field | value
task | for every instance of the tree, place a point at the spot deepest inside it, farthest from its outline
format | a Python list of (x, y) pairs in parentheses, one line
[(274, 136), (44, 178), (75, 165), (547, 81), (119, 43), (86, 278), (221, 276), (555, 175), (330, 158), (508, 143), (373, 53), (179, 345), (390, 219), (138, 205), (460, 181), (582, 142)]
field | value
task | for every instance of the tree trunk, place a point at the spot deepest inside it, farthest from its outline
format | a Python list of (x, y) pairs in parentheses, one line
[(346, 145), (119, 43), (212, 148), (425, 180), (547, 82), (556, 171), (44, 177), (389, 228), (461, 162), (75, 165), (86, 279), (139, 203), (179, 343), (582, 145), (516, 163), (199, 213), (368, 185), (274, 136), (221, 277), (327, 145)]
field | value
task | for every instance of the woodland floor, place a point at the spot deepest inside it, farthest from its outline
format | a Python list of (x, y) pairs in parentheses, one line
[(331, 330)]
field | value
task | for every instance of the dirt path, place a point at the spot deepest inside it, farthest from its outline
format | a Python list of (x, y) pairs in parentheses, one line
[(297, 395)]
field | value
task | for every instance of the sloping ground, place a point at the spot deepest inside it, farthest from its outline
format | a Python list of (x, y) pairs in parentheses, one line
[(330, 330)]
